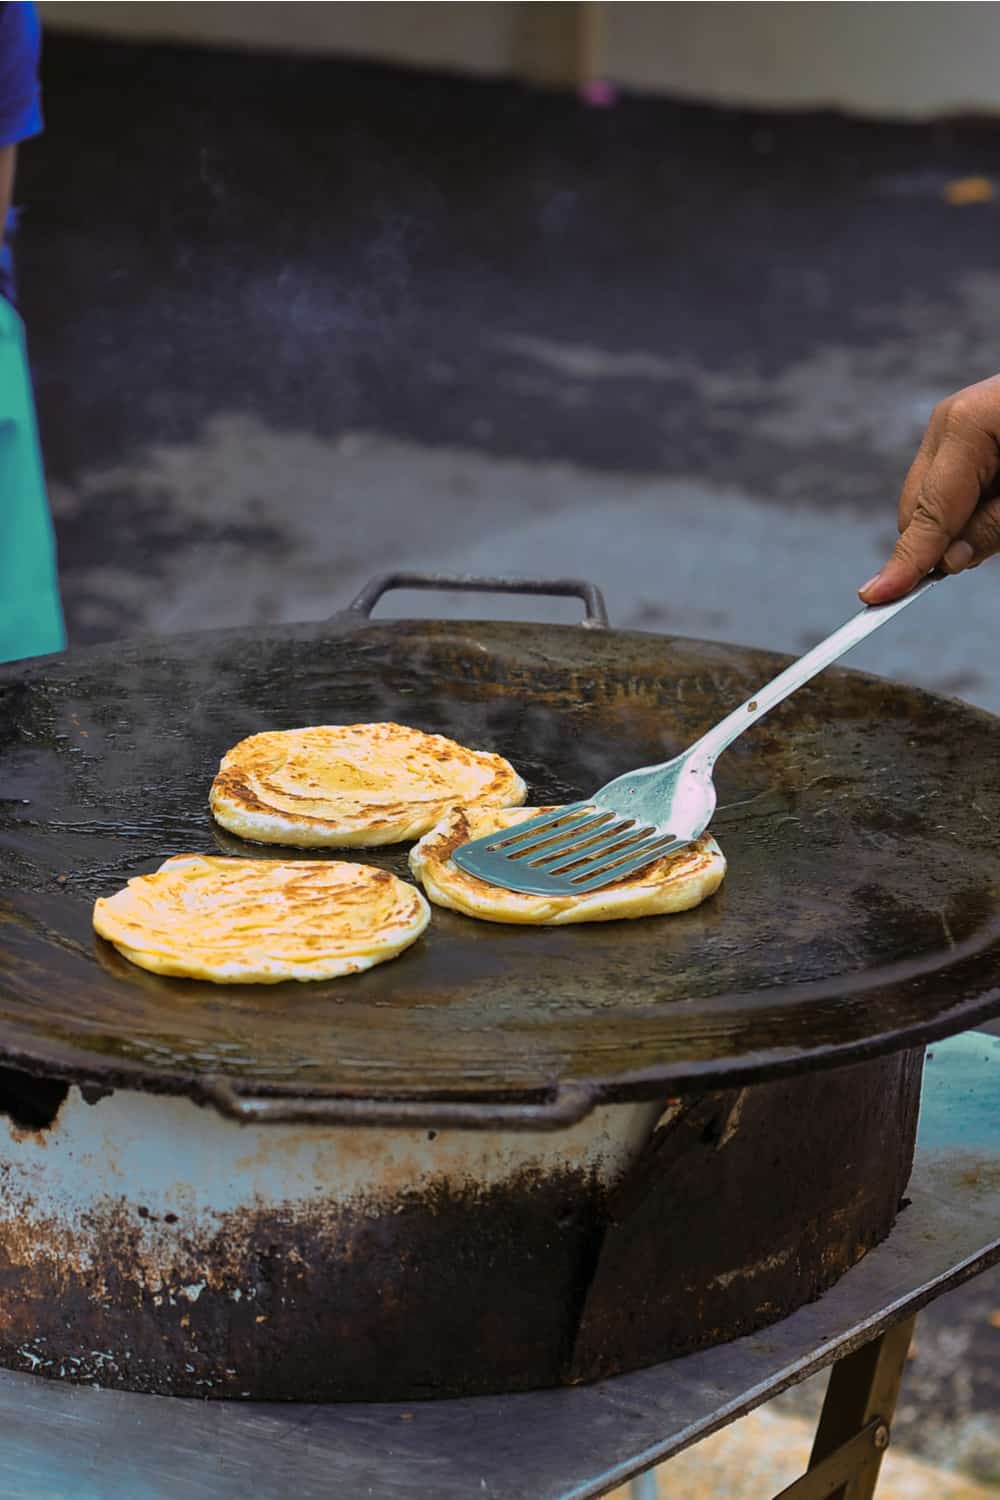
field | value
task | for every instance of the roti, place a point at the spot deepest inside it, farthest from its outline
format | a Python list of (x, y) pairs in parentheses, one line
[(353, 785), (676, 883), (257, 921)]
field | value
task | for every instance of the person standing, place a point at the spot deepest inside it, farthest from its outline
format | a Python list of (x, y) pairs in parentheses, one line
[(31, 619)]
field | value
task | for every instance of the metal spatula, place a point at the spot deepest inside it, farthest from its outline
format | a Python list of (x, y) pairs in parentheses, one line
[(639, 817)]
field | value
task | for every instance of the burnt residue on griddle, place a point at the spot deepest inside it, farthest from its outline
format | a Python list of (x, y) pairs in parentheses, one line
[(111, 752), (30, 1103)]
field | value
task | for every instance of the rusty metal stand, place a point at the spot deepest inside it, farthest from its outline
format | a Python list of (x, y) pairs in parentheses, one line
[(59, 1440), (854, 1428)]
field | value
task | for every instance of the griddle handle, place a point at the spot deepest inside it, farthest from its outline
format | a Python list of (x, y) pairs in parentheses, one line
[(596, 617), (564, 1105)]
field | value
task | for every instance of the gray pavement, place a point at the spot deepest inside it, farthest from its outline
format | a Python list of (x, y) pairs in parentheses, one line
[(675, 555)]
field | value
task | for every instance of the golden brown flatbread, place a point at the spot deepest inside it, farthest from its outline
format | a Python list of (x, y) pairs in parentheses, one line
[(354, 785), (260, 921)]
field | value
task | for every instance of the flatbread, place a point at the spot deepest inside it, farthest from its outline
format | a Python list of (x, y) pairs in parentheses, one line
[(257, 921), (676, 883), (354, 785)]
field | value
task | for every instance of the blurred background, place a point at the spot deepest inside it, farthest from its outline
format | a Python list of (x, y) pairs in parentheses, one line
[(656, 294)]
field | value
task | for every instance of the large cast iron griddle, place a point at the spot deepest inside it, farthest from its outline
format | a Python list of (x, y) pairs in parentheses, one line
[(860, 913)]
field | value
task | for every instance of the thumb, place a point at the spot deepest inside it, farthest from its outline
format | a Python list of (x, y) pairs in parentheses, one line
[(918, 550)]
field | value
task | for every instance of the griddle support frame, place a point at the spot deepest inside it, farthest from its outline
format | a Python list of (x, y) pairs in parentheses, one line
[(565, 1444), (853, 1431), (863, 1390)]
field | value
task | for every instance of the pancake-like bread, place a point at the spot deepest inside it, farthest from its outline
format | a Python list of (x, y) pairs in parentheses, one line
[(676, 883), (259, 921), (352, 785)]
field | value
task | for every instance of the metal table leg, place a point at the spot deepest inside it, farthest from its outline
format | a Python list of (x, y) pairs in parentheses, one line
[(644, 1487), (854, 1425)]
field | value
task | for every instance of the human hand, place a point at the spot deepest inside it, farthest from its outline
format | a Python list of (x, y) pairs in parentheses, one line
[(949, 510)]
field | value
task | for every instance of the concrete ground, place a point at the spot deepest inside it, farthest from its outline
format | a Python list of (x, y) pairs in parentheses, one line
[(295, 322)]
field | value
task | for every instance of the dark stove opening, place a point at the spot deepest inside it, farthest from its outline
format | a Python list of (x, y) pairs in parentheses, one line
[(30, 1103)]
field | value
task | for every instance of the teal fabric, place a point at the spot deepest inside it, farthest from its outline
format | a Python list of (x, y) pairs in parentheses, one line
[(31, 621)]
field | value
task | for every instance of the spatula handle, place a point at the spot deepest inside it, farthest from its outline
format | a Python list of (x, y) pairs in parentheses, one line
[(826, 652)]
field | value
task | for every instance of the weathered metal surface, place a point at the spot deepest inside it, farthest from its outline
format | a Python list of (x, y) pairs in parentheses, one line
[(746, 1204), (148, 1244), (860, 909), (576, 1444)]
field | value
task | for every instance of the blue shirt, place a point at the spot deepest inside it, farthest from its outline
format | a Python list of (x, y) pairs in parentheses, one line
[(20, 99)]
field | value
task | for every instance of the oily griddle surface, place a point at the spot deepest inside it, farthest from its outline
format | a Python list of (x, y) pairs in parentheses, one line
[(859, 819)]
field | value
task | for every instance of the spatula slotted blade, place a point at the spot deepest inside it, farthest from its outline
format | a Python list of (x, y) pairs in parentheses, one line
[(567, 853)]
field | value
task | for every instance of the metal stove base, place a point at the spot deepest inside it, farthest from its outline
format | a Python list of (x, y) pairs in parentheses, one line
[(60, 1442)]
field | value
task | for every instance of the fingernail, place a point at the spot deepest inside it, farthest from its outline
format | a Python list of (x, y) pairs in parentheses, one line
[(958, 557), (871, 583)]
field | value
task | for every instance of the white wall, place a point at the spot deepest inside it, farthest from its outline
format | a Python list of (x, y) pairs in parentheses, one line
[(872, 57), (474, 37), (908, 58)]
